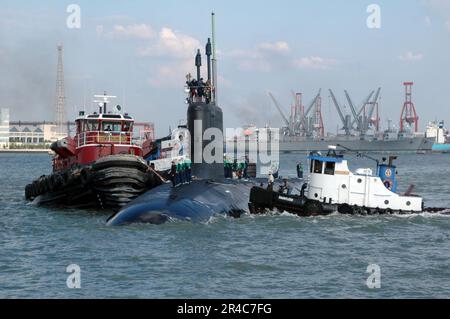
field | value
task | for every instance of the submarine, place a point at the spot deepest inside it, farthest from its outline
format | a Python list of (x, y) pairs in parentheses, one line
[(209, 193)]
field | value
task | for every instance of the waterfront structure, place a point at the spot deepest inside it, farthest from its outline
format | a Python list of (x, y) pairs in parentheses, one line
[(24, 135), (4, 128)]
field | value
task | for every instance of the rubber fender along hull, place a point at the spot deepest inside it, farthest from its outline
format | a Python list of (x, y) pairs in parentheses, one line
[(263, 200), (110, 183)]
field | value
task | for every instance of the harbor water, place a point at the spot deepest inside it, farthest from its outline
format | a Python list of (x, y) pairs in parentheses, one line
[(274, 256)]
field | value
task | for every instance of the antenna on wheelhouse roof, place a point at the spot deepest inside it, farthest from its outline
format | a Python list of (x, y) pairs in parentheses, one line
[(103, 102)]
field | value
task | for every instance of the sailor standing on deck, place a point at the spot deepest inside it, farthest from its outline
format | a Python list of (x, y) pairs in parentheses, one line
[(180, 174), (246, 167), (208, 91), (299, 170), (286, 187), (226, 166), (270, 181), (188, 170), (173, 173)]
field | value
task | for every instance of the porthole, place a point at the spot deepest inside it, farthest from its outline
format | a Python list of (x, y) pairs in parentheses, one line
[(408, 203), (344, 186), (316, 195), (359, 180), (386, 202)]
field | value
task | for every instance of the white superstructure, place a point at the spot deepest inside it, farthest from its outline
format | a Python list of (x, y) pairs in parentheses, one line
[(331, 182)]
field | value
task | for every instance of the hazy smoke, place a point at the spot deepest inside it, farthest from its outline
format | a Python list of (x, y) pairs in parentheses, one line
[(28, 79), (253, 109)]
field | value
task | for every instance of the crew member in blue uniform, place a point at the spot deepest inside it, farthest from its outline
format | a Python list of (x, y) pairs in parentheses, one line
[(300, 170), (246, 167)]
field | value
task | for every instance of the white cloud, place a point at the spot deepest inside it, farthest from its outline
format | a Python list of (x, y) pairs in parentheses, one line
[(139, 31), (411, 57), (166, 42), (427, 21), (447, 25), (261, 57), (171, 43), (170, 74), (174, 49), (276, 47), (314, 62)]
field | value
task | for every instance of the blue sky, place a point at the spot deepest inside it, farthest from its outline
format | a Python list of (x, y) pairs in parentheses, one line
[(141, 50)]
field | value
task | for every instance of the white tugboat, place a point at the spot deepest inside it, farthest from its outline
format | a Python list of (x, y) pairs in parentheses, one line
[(332, 187)]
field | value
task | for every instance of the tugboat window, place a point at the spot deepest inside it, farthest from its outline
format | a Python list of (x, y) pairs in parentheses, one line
[(329, 168), (126, 127), (111, 127), (92, 126), (317, 167)]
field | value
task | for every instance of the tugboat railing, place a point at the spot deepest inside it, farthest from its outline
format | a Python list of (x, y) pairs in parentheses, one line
[(99, 137)]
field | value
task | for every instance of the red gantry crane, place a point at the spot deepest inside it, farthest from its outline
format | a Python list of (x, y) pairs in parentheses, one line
[(408, 116)]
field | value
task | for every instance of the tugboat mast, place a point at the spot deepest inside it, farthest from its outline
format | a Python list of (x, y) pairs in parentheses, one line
[(105, 100)]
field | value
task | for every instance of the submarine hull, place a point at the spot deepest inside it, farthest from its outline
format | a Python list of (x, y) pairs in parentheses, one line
[(195, 202)]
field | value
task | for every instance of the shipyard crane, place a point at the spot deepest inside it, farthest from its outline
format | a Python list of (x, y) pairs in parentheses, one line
[(374, 105), (305, 113), (359, 126), (310, 105), (341, 115), (298, 120), (317, 118), (375, 100), (363, 121), (313, 102), (409, 117), (281, 111), (299, 108), (366, 101)]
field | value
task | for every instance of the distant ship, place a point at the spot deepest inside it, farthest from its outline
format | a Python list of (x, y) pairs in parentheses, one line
[(389, 141), (416, 144), (441, 137), (304, 130)]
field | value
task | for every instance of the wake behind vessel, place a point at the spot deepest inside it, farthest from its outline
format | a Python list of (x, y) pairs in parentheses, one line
[(101, 166)]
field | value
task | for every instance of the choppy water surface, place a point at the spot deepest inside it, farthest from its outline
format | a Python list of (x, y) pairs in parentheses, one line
[(266, 256)]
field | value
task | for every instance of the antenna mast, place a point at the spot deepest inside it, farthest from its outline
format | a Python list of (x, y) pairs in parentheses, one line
[(60, 103), (214, 60)]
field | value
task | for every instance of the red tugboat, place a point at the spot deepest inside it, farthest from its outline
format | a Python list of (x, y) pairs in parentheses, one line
[(100, 167)]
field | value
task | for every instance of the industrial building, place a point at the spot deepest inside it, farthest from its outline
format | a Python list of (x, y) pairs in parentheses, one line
[(26, 135)]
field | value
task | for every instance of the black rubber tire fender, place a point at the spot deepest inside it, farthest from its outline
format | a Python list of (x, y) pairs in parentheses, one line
[(345, 209), (85, 176), (313, 208)]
